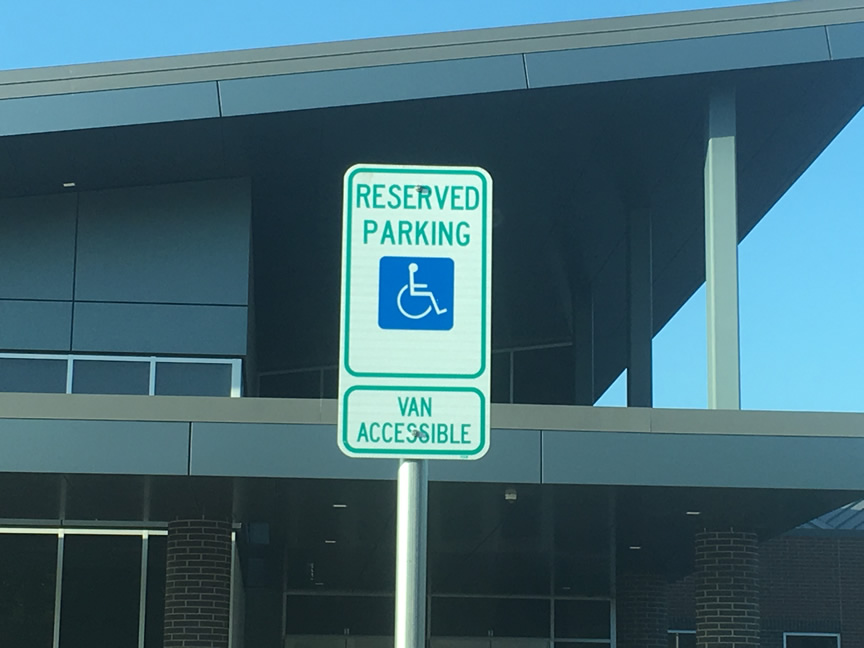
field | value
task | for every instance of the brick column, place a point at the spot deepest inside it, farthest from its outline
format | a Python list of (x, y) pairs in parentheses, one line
[(642, 611), (727, 589), (198, 584)]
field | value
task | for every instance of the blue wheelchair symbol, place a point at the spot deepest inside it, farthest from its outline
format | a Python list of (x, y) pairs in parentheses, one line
[(415, 293)]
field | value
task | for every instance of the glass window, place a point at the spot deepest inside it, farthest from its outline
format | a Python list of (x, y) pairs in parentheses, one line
[(101, 589), (38, 376), (582, 519), (298, 384), (543, 376), (28, 565), (582, 573), (107, 377), (334, 615), (804, 640), (521, 642), (459, 642), (104, 497), (308, 641), (682, 639), (331, 384), (28, 495), (582, 619), (481, 543), (477, 617), (188, 379), (369, 642), (500, 377)]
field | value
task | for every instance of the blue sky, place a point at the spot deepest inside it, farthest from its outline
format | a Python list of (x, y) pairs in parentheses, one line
[(58, 32), (801, 270)]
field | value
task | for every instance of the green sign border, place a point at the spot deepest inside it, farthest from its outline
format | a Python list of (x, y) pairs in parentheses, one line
[(444, 453), (347, 292)]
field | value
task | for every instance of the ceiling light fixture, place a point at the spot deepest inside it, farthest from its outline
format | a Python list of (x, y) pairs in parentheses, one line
[(329, 542), (635, 547), (340, 506), (68, 184), (694, 512)]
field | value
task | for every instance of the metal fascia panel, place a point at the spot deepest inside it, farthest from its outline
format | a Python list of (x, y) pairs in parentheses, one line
[(81, 110), (371, 85), (846, 41), (429, 47), (676, 57)]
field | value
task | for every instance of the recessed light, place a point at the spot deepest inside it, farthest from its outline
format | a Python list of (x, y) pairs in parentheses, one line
[(635, 547), (340, 506), (329, 542), (566, 588), (694, 512), (319, 584), (68, 184)]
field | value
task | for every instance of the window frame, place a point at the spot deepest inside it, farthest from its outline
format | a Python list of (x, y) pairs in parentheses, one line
[(836, 635), (139, 530), (236, 365), (677, 633)]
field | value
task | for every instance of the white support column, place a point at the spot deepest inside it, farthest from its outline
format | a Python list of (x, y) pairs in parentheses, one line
[(721, 253), (640, 298)]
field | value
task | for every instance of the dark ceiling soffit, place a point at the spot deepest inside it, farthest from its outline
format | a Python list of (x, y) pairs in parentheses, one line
[(386, 83), (481, 43)]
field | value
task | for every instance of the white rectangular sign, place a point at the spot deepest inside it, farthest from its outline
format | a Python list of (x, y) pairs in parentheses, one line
[(415, 320)]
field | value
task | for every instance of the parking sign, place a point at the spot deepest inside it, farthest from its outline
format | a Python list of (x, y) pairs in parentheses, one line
[(415, 321)]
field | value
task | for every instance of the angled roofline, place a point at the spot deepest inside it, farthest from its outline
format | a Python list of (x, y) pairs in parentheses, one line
[(446, 46)]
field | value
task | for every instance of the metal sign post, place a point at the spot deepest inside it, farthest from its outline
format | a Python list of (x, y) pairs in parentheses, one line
[(411, 520), (414, 345)]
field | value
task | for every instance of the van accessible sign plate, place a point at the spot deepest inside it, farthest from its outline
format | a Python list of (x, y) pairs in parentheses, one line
[(415, 320)]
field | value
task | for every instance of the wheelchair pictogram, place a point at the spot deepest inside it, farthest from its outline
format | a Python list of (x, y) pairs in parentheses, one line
[(415, 290), (415, 293)]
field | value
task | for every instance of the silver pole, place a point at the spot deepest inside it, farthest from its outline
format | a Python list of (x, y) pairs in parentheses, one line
[(142, 590), (411, 513), (58, 587)]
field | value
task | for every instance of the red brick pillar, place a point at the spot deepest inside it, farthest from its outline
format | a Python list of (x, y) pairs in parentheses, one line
[(727, 589), (641, 610), (198, 584)]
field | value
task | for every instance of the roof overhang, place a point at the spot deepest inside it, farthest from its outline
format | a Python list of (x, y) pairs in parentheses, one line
[(670, 472), (579, 123)]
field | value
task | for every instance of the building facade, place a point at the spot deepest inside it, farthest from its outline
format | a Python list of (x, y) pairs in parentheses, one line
[(169, 316)]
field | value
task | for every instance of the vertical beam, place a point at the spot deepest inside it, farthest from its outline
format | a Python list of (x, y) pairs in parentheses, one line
[(721, 253), (640, 298)]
